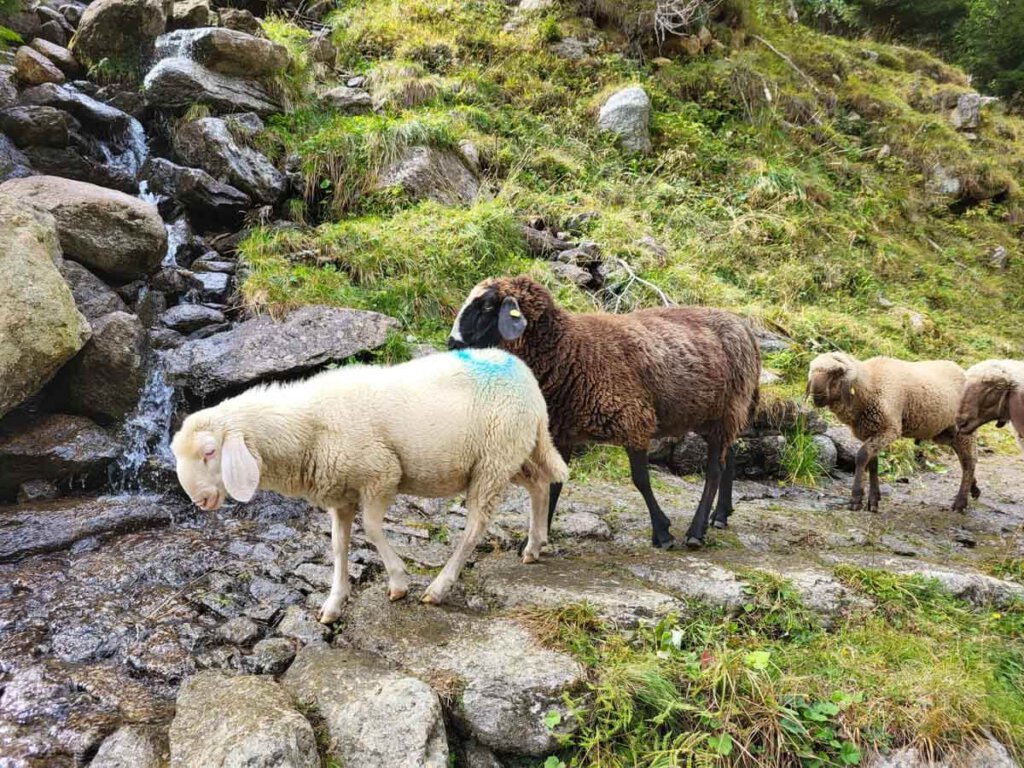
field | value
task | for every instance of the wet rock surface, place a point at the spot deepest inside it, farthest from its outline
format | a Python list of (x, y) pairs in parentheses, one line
[(261, 349), (177, 83)]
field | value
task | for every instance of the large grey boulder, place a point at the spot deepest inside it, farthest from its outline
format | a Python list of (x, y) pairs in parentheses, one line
[(122, 31), (8, 86), (188, 14), (99, 118), (248, 721), (32, 68), (178, 83), (93, 297), (227, 51), (53, 447), (350, 101), (261, 348), (105, 379), (208, 144), (626, 114), (40, 326), (361, 701), (207, 200), (117, 235), (847, 446), (509, 682), (429, 173), (36, 126), (241, 20), (13, 162), (966, 115), (132, 746)]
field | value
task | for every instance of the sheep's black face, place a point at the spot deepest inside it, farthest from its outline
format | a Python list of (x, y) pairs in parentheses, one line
[(486, 319)]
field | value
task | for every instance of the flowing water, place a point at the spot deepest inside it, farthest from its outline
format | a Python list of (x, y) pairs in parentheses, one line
[(146, 433), (180, 43)]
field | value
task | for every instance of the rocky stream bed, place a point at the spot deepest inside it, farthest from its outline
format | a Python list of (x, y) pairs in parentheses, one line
[(137, 627)]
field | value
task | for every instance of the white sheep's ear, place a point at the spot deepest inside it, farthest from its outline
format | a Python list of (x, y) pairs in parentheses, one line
[(511, 323), (238, 468)]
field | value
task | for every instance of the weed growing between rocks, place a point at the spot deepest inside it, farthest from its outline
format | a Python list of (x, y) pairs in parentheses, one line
[(770, 685)]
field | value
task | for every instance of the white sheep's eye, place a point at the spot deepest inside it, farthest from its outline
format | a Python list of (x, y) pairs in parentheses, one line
[(208, 453)]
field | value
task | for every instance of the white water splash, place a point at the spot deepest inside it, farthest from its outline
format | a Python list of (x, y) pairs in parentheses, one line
[(180, 43), (177, 236), (146, 433)]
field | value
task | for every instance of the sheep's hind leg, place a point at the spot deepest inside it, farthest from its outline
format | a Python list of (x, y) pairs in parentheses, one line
[(874, 490), (660, 536), (341, 534), (966, 451), (374, 509), (480, 505), (538, 522), (712, 480), (724, 507)]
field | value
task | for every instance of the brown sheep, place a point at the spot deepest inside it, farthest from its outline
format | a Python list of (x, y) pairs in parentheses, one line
[(627, 379), (882, 399), (994, 392)]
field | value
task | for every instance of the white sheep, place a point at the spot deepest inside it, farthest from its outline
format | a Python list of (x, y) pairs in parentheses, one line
[(882, 399), (471, 421), (994, 392)]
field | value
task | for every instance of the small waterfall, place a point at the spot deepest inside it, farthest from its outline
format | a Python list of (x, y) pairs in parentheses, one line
[(180, 43), (177, 236), (129, 151), (146, 433), (146, 196)]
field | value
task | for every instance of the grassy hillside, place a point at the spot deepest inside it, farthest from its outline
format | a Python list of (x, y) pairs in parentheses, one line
[(768, 186)]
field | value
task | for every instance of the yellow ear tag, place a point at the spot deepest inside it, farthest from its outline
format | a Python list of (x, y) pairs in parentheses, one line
[(853, 391), (515, 313)]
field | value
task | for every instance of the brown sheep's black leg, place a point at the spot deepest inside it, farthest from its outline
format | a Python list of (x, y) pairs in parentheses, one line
[(556, 491), (966, 452), (660, 536), (874, 491), (724, 507), (857, 498), (713, 478)]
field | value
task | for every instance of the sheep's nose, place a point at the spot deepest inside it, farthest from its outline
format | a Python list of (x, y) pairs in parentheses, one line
[(454, 343), (205, 499)]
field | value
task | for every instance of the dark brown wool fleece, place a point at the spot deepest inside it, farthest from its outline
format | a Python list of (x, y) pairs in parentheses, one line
[(625, 379)]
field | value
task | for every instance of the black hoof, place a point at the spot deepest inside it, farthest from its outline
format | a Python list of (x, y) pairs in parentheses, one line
[(976, 492), (720, 524), (692, 542), (669, 543)]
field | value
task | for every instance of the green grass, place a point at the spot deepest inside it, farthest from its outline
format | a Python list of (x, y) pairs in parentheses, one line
[(778, 209), (771, 686)]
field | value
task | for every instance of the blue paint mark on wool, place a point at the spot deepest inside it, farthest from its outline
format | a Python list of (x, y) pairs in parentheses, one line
[(488, 364)]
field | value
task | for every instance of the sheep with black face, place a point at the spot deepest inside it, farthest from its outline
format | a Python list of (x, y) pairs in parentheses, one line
[(627, 379)]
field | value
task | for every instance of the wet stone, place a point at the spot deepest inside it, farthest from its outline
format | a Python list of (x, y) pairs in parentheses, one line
[(239, 631), (272, 655), (133, 746), (37, 490), (299, 624)]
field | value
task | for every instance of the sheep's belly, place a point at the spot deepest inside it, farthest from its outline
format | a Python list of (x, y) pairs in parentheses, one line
[(434, 486)]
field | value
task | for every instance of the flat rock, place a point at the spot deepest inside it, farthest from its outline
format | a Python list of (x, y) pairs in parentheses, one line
[(54, 526), (990, 754), (261, 349), (108, 231), (40, 326), (509, 681), (133, 746), (208, 143), (98, 117), (350, 101), (255, 725), (186, 318), (239, 631), (299, 624), (692, 577), (361, 700), (555, 582), (272, 655), (178, 83), (226, 51)]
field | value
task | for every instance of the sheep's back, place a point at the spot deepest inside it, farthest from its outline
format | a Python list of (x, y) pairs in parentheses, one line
[(926, 393)]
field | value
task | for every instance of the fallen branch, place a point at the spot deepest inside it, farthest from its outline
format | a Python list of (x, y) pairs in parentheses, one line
[(635, 278), (789, 61)]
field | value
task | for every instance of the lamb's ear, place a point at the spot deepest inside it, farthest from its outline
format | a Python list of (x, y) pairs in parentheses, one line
[(511, 323), (238, 468)]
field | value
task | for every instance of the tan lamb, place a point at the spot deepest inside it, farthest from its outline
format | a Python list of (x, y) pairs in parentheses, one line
[(994, 392)]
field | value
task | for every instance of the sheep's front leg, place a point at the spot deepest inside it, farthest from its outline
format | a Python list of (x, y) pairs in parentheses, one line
[(374, 509), (865, 456), (341, 534), (538, 537), (874, 489)]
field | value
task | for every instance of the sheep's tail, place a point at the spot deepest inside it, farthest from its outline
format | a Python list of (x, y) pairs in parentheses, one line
[(545, 460)]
